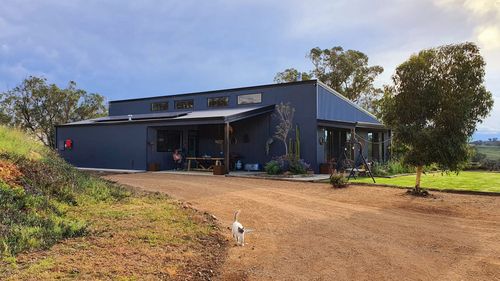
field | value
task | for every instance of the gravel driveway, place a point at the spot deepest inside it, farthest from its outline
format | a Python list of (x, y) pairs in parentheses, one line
[(308, 231)]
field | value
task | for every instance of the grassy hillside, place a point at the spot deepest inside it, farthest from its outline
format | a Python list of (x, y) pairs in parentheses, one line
[(44, 201), (492, 152), (36, 190)]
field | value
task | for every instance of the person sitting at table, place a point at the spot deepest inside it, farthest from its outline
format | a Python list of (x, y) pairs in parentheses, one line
[(177, 157)]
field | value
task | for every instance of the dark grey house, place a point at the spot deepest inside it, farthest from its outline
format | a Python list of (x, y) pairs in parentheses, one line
[(231, 124)]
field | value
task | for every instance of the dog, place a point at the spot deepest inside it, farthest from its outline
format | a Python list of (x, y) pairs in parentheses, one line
[(238, 230)]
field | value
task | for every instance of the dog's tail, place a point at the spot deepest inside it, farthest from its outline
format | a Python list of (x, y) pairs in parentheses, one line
[(236, 214)]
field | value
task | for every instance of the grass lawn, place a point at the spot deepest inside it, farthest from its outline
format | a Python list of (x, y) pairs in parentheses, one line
[(492, 152), (475, 181)]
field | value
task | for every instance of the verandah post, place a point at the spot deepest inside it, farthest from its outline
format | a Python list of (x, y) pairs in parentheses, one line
[(226, 147)]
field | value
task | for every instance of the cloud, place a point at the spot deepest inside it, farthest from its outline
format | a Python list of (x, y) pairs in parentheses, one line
[(489, 37), (130, 49)]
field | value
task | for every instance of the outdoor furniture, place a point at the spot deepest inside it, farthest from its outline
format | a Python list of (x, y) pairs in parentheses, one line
[(204, 163)]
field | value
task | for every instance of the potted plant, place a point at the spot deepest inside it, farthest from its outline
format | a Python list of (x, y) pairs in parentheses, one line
[(219, 169)]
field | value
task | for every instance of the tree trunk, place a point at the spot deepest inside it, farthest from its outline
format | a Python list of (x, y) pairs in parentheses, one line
[(286, 147), (419, 174)]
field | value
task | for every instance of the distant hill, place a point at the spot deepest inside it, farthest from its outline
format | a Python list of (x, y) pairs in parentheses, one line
[(491, 152), (490, 148), (489, 142)]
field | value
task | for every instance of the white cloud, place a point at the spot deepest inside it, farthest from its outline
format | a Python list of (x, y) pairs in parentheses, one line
[(489, 37)]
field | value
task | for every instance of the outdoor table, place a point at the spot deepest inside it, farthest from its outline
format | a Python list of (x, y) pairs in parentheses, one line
[(208, 162)]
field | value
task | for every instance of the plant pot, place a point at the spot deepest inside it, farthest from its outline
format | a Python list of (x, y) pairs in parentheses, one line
[(324, 168), (219, 170), (153, 166)]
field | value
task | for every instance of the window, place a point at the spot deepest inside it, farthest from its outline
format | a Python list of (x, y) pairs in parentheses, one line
[(217, 102), (159, 106), (168, 141), (250, 98), (184, 104)]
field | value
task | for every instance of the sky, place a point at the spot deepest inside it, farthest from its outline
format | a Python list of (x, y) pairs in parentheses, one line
[(128, 49)]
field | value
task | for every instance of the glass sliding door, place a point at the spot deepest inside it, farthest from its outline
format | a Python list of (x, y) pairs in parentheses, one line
[(193, 144)]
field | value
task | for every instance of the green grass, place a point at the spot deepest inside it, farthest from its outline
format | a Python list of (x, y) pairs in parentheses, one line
[(16, 142), (492, 152), (473, 181)]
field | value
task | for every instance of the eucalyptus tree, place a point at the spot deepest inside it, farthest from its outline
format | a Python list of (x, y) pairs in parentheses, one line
[(346, 71), (36, 107), (291, 75), (437, 98)]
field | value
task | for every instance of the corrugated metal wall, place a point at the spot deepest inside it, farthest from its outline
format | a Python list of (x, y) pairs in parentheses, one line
[(334, 108)]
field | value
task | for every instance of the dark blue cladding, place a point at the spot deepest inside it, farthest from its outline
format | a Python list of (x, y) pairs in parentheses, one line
[(334, 107), (133, 145), (106, 146)]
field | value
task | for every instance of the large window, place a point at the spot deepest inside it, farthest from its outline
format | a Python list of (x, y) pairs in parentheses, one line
[(184, 104), (250, 98), (218, 101), (168, 141), (159, 106)]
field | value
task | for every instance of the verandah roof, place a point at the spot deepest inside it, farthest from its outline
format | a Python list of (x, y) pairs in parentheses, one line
[(213, 116)]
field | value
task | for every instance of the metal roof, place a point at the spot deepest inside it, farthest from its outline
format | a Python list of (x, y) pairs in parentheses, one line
[(212, 115), (350, 125)]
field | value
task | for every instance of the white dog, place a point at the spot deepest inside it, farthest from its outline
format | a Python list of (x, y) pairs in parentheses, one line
[(238, 230)]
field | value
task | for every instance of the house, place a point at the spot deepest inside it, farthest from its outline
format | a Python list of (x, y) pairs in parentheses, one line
[(231, 124)]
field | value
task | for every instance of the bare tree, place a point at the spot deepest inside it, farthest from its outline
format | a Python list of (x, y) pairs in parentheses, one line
[(284, 113)]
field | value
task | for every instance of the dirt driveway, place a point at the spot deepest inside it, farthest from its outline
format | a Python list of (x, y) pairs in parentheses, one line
[(308, 231)]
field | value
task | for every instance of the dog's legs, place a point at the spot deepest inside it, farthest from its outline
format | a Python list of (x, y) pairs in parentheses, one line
[(243, 240)]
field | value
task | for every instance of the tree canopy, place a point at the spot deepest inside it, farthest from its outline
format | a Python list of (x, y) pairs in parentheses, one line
[(291, 75), (436, 100), (347, 72), (37, 107)]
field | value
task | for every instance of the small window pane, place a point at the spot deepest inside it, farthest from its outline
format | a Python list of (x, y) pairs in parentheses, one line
[(251, 98), (217, 102), (184, 104), (159, 106)]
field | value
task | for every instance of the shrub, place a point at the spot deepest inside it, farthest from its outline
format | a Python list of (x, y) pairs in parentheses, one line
[(287, 164), (397, 167), (338, 180), (298, 166), (391, 168), (490, 165), (379, 169), (272, 167)]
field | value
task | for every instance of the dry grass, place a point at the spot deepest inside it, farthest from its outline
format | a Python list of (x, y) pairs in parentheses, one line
[(144, 237)]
